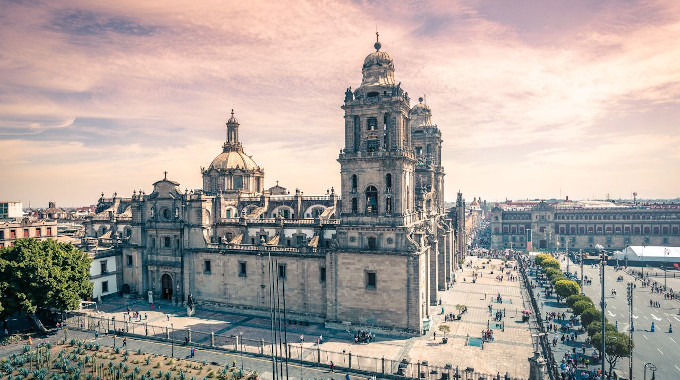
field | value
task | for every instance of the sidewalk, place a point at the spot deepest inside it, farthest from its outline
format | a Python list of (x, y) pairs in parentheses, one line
[(507, 353)]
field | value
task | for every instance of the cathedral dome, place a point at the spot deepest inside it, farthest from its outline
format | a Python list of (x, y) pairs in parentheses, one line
[(234, 159), (378, 58), (420, 114)]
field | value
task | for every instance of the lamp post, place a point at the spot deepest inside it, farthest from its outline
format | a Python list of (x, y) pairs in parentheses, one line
[(582, 284), (240, 340), (172, 341), (113, 319), (603, 262), (652, 367), (666, 252)]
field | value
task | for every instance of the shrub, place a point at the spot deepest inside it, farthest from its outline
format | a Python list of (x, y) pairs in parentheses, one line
[(211, 374), (158, 365), (589, 316)]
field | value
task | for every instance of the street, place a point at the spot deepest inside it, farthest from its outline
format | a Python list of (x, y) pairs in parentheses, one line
[(659, 347)]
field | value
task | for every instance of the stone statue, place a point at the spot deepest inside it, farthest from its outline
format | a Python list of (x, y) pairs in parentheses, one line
[(191, 306), (348, 94)]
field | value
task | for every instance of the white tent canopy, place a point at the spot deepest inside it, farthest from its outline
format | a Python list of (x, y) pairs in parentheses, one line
[(651, 253)]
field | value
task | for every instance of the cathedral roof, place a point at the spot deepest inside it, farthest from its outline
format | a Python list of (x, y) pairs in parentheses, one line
[(378, 69), (234, 159)]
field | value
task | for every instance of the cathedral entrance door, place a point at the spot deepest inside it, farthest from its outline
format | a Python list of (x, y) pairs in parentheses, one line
[(166, 285)]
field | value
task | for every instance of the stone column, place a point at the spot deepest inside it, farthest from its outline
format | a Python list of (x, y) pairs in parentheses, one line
[(537, 367)]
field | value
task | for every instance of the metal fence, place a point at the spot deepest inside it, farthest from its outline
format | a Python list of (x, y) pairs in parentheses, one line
[(296, 352)]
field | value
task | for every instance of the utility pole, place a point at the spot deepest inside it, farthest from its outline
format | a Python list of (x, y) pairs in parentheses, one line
[(666, 252), (568, 256), (582, 284), (630, 329), (603, 262)]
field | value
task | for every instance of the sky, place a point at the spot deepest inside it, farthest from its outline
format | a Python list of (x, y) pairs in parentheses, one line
[(534, 98)]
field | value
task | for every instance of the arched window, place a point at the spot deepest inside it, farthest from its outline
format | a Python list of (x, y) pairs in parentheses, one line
[(388, 205), (354, 182), (166, 242), (388, 182), (371, 200), (355, 206)]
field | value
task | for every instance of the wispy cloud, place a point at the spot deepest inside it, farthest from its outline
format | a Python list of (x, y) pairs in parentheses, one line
[(105, 96)]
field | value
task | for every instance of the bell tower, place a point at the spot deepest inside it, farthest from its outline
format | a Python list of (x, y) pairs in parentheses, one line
[(377, 162)]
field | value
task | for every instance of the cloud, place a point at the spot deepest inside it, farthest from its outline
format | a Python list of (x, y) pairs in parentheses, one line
[(125, 90)]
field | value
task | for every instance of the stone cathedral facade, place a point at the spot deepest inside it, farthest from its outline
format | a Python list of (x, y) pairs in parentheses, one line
[(375, 253)]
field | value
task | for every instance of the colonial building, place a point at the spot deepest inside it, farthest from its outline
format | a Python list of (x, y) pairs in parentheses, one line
[(11, 230), (376, 253), (582, 225)]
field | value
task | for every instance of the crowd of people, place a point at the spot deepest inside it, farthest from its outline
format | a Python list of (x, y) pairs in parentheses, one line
[(363, 337)]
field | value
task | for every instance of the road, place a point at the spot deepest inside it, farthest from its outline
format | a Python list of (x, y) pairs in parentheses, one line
[(660, 347)]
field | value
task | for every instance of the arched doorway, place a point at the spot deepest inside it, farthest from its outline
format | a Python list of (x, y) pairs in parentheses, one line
[(166, 285)]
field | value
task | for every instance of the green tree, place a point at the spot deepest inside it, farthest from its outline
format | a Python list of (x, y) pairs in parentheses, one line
[(589, 316), (550, 263), (596, 327), (616, 345), (556, 279), (43, 275), (580, 306), (566, 288), (571, 300), (550, 272), (540, 257)]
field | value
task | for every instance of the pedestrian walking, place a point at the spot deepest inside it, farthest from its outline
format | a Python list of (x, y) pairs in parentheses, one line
[(331, 365), (124, 342), (193, 351), (96, 334)]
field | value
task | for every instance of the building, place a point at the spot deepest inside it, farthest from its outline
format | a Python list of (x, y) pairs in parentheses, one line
[(10, 210), (11, 230), (376, 253), (582, 225)]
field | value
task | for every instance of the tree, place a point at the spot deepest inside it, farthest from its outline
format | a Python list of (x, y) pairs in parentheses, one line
[(540, 257), (552, 272), (596, 327), (616, 345), (571, 300), (589, 316), (556, 279), (580, 306), (566, 288), (43, 275), (550, 263)]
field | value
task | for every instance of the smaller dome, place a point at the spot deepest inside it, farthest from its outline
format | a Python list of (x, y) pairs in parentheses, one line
[(421, 114), (233, 160)]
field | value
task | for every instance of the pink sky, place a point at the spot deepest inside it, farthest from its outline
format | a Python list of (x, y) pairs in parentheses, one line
[(534, 99)]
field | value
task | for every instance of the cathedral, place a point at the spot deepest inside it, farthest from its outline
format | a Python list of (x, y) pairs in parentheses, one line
[(374, 253)]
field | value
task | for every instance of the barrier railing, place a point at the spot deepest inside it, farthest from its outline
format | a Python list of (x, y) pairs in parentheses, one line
[(310, 355)]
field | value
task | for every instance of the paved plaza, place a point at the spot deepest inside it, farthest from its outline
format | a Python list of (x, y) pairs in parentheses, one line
[(508, 352)]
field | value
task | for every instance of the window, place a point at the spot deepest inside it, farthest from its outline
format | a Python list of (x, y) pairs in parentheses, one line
[(371, 200), (2, 235), (282, 270), (103, 266), (152, 240), (371, 280), (242, 269), (355, 206), (300, 239), (26, 233), (228, 215), (388, 205), (38, 232), (388, 182), (166, 242), (354, 183), (129, 260), (166, 214), (207, 266), (372, 244), (372, 124), (238, 182), (372, 143), (49, 231), (386, 131), (105, 287), (322, 274)]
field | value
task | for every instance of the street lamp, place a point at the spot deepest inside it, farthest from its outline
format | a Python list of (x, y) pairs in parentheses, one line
[(602, 320), (172, 341), (240, 340), (666, 252), (652, 367)]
